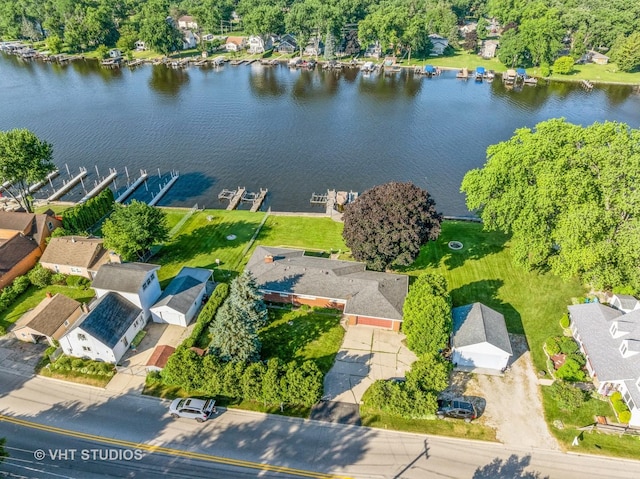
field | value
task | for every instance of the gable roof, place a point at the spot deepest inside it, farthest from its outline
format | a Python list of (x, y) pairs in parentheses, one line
[(41, 229), (236, 40), (16, 221), (625, 302), (366, 293), (593, 323), (14, 250), (74, 251), (49, 315), (122, 277), (180, 294), (476, 323), (109, 319)]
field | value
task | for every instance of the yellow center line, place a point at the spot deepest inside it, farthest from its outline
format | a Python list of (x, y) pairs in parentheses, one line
[(170, 451)]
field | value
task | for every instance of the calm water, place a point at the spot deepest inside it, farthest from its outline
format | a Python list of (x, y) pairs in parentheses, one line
[(294, 132)]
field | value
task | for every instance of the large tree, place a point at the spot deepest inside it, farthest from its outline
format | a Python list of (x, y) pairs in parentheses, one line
[(389, 223), (24, 160), (427, 315), (131, 230), (569, 197), (158, 31), (245, 297)]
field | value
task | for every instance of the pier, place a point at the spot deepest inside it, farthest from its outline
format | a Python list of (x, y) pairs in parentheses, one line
[(36, 186), (255, 199), (587, 85), (100, 186), (332, 198), (234, 197), (132, 187), (67, 186), (174, 177)]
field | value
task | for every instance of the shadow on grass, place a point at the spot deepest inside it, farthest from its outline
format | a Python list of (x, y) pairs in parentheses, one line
[(513, 467), (486, 292)]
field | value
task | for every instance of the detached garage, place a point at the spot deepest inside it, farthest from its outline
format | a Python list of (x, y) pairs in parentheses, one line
[(179, 303), (480, 338)]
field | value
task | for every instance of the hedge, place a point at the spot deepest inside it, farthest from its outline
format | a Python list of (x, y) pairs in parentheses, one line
[(11, 292), (80, 218), (207, 314)]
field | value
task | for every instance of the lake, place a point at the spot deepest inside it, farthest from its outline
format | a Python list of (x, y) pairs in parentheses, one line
[(294, 132)]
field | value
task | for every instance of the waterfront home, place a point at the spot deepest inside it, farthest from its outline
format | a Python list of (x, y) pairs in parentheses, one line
[(22, 241), (187, 22), (136, 282), (373, 51), (115, 54), (610, 341), (77, 255), (624, 302), (314, 47), (438, 45), (181, 300), (189, 40), (288, 44), (260, 44), (140, 46), (595, 57), (488, 49), (105, 333), (285, 275), (235, 44), (480, 338), (50, 320)]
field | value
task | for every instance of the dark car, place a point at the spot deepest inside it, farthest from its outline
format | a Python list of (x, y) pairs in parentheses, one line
[(457, 409)]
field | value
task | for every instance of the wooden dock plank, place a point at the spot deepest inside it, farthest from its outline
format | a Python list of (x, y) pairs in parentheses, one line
[(233, 204)]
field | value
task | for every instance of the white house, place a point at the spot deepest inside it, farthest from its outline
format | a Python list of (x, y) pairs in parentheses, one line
[(480, 338), (137, 282), (438, 44), (624, 302), (610, 341), (373, 51), (180, 301), (105, 333), (258, 44), (140, 46), (314, 47), (235, 44), (115, 53), (187, 22), (189, 40)]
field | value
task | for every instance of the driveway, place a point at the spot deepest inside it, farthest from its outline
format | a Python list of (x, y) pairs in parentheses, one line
[(509, 403), (19, 357), (366, 354)]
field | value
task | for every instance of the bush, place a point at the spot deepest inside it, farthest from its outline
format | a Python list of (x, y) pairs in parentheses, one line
[(568, 397), (9, 294), (563, 65), (624, 417), (207, 314), (77, 281), (80, 218), (550, 366), (567, 345), (59, 278), (552, 346), (564, 321), (545, 71), (39, 276), (570, 371)]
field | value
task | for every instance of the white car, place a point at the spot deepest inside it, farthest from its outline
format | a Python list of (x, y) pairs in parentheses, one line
[(198, 409)]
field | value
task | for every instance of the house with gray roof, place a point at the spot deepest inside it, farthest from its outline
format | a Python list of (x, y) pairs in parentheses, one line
[(480, 338), (610, 341), (181, 300), (286, 275), (624, 302), (137, 282), (105, 332)]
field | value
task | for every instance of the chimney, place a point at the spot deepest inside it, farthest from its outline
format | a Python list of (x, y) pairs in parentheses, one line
[(49, 295), (268, 259)]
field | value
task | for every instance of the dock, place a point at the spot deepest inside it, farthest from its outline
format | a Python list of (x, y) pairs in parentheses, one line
[(135, 63), (587, 85), (36, 186), (234, 197), (255, 198), (132, 187), (100, 186), (333, 198), (67, 186), (163, 190)]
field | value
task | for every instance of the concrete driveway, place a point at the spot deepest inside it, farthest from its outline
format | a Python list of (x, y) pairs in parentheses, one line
[(19, 357), (366, 354)]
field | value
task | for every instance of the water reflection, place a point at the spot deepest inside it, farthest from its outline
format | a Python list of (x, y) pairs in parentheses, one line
[(315, 85), (168, 81), (93, 67), (265, 81), (390, 86)]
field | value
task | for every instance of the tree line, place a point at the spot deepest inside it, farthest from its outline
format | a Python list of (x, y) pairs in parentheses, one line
[(534, 31)]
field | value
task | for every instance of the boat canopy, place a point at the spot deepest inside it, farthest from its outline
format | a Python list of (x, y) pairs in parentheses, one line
[(521, 71), (480, 70), (429, 68)]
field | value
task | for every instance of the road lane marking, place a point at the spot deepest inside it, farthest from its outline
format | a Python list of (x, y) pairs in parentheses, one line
[(170, 451)]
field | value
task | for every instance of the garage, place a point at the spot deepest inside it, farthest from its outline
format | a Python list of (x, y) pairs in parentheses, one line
[(368, 321)]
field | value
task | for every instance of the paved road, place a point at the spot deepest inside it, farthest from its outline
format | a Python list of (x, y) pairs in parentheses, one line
[(298, 445)]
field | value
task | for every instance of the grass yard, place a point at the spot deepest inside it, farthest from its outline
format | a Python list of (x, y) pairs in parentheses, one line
[(440, 427), (531, 302), (301, 335), (203, 239), (590, 442), (32, 297)]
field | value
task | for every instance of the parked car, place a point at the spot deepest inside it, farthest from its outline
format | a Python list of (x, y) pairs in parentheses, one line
[(198, 409), (457, 409)]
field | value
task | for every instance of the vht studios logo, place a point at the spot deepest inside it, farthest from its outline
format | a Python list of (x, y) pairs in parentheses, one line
[(89, 454)]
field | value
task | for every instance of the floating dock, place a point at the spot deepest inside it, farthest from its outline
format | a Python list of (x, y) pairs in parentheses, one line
[(66, 187), (234, 197), (174, 177), (332, 198), (132, 187), (36, 186), (100, 186)]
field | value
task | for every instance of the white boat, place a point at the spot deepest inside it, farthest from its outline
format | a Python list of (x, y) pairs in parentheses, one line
[(367, 67)]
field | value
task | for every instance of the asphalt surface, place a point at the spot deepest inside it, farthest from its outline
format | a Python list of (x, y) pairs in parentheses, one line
[(37, 411)]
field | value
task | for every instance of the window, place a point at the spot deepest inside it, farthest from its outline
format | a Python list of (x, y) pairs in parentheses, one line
[(623, 349), (50, 225), (76, 270), (66, 323), (613, 330), (284, 295), (82, 337), (86, 348), (125, 342)]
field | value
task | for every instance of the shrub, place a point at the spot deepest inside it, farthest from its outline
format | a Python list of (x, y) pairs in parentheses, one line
[(545, 71), (616, 396), (9, 294), (207, 314), (567, 345), (624, 417), (564, 321), (77, 281), (563, 65), (59, 278), (570, 371), (550, 366), (552, 346), (80, 218), (39, 276), (568, 397)]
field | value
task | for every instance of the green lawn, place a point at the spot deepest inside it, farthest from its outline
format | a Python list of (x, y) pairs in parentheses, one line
[(590, 442), (314, 233), (301, 335), (532, 302), (440, 427), (32, 297)]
